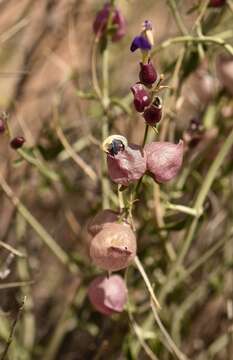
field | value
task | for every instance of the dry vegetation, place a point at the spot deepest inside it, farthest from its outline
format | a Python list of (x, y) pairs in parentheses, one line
[(51, 187)]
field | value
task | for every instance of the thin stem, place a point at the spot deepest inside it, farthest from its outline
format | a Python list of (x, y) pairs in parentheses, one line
[(147, 281), (37, 227), (11, 249), (176, 14), (172, 345), (195, 39)]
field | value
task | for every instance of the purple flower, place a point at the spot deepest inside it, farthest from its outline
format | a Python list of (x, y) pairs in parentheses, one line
[(108, 295), (118, 21), (140, 42), (141, 97)]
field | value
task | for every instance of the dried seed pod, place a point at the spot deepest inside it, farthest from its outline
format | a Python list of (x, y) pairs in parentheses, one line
[(114, 247), (164, 160), (126, 163), (103, 218), (108, 295)]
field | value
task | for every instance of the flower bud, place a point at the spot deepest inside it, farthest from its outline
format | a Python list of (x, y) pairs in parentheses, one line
[(108, 295), (141, 97), (114, 247), (118, 22), (217, 3), (17, 142), (2, 126), (153, 114), (103, 218), (147, 31), (164, 160), (148, 74)]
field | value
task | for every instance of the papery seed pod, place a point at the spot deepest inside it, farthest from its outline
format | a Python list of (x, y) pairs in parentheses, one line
[(114, 247), (217, 3), (108, 295), (118, 21), (17, 142), (224, 67), (147, 74), (103, 218), (141, 97), (2, 126), (153, 113), (164, 160), (126, 163)]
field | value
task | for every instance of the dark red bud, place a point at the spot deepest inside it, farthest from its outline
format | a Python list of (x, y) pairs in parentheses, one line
[(148, 74), (2, 126), (217, 3), (141, 97), (17, 142), (153, 114)]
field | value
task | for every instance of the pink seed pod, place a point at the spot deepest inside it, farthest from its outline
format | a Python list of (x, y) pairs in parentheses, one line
[(164, 160), (126, 163), (108, 295), (103, 218), (114, 247), (148, 74)]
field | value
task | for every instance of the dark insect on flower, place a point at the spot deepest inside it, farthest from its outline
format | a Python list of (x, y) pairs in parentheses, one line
[(141, 97), (217, 3), (118, 22), (17, 142), (128, 165), (140, 42), (147, 74), (115, 147), (153, 114)]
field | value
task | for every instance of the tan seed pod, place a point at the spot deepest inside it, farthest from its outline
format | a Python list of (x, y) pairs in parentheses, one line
[(114, 247)]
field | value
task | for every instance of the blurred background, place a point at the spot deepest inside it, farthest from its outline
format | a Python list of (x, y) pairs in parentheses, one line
[(46, 89)]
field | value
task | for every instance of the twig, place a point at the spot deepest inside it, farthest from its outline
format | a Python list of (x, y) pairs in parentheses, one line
[(194, 39), (77, 159), (38, 228), (147, 281), (172, 345), (11, 249), (176, 14), (10, 338)]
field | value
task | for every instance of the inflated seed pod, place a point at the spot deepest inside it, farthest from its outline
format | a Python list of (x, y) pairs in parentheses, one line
[(108, 295), (114, 247), (103, 218), (126, 162), (164, 160)]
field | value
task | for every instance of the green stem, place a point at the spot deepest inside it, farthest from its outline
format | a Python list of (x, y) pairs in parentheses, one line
[(176, 13), (195, 39), (37, 227)]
